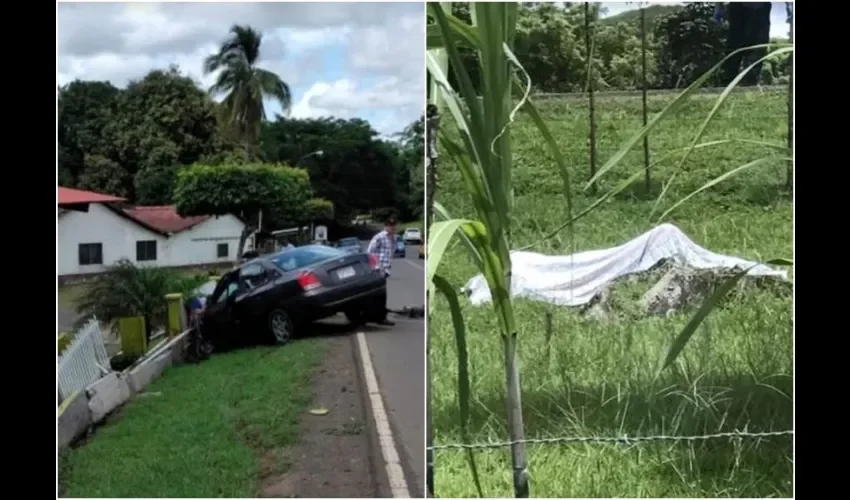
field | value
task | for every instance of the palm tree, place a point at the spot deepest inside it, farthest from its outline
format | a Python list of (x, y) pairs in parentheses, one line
[(244, 84), (127, 290)]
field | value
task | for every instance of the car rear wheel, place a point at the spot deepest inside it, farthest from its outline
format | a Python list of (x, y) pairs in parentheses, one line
[(281, 326)]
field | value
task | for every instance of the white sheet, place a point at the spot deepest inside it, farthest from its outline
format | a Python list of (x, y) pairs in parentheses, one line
[(572, 280)]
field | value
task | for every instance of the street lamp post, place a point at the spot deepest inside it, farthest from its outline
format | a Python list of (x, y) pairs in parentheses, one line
[(318, 153)]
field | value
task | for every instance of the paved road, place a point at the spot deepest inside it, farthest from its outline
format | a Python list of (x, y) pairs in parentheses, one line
[(398, 356)]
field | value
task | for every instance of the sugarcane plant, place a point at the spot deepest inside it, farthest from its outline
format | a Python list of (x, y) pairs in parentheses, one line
[(484, 158)]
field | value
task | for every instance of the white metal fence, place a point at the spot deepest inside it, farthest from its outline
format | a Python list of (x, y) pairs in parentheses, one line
[(84, 361)]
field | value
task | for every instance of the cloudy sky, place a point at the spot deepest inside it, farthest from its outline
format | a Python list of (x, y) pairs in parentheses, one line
[(345, 60)]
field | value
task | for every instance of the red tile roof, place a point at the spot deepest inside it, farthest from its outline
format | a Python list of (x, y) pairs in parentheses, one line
[(164, 218), (69, 196)]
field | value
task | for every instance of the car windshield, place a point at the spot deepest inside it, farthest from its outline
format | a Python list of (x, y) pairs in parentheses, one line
[(412, 230), (349, 242), (305, 256)]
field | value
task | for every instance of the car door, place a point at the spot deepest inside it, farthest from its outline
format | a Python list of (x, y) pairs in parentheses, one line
[(218, 312), (251, 302)]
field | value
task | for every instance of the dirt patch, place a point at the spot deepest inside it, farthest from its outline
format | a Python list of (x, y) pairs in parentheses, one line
[(669, 288), (332, 459)]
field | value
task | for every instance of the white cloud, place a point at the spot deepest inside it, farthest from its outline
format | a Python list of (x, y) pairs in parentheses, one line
[(345, 59)]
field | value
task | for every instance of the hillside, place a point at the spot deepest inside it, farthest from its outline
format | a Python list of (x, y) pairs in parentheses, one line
[(653, 12)]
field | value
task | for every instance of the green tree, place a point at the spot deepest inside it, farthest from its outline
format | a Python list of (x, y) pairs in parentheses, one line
[(410, 170), (84, 110), (279, 192), (109, 137), (155, 185), (104, 176), (690, 43), (319, 209), (355, 170), (244, 83)]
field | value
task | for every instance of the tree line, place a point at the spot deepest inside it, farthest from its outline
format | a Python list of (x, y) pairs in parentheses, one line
[(164, 140), (682, 43)]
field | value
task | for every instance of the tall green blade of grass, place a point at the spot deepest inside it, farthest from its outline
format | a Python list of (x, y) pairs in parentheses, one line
[(711, 114), (463, 391), (681, 340)]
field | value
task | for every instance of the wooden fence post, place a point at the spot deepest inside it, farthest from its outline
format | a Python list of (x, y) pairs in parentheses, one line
[(590, 41)]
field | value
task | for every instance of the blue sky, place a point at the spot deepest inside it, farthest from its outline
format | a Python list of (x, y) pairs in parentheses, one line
[(345, 60)]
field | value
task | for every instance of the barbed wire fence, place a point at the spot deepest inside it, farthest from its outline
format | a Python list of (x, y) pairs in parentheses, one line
[(623, 440), (542, 96)]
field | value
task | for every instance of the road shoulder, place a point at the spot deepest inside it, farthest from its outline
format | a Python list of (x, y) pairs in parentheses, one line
[(334, 457)]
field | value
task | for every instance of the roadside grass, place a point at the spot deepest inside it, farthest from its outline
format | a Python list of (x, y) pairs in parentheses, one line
[(596, 379), (200, 430)]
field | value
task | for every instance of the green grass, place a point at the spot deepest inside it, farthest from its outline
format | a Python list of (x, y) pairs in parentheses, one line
[(596, 379), (201, 430)]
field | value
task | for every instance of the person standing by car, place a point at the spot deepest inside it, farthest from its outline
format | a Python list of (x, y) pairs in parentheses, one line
[(382, 247)]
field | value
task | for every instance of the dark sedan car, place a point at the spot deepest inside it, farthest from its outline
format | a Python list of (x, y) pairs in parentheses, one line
[(272, 297)]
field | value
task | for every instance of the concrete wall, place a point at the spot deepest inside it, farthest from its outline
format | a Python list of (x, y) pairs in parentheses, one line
[(117, 235), (78, 413), (199, 244)]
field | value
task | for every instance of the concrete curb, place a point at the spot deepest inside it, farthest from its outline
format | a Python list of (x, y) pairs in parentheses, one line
[(394, 470)]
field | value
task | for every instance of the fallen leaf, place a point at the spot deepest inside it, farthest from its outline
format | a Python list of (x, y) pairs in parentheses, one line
[(319, 411)]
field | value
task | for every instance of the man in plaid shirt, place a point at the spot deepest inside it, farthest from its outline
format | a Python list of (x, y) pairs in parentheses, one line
[(382, 247)]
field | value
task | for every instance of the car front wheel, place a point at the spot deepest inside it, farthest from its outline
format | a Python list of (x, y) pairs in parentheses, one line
[(280, 326)]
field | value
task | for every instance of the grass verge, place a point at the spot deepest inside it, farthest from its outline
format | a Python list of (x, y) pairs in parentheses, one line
[(200, 430), (596, 379)]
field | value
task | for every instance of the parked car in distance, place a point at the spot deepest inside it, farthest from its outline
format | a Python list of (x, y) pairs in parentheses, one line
[(412, 236), (271, 298), (400, 247), (350, 245)]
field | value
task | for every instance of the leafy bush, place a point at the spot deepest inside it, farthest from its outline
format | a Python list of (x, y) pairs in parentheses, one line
[(127, 290), (280, 192)]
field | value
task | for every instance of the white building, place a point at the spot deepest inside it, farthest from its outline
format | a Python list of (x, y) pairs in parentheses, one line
[(90, 241)]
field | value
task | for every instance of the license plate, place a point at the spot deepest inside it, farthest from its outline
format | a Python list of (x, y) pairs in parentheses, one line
[(345, 273)]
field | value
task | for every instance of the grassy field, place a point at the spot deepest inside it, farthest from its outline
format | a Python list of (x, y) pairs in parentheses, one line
[(201, 430), (597, 379)]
